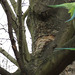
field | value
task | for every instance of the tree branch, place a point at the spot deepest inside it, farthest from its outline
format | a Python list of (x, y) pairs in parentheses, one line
[(14, 23), (8, 56), (15, 27), (14, 4), (19, 15), (22, 38), (25, 14), (9, 18), (4, 72)]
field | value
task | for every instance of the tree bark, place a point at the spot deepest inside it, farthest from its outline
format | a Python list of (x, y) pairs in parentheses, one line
[(48, 30)]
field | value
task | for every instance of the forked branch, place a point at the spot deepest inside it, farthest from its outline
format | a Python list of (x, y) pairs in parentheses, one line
[(9, 18)]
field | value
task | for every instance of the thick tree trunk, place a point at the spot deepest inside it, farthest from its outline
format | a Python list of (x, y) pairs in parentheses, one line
[(44, 23), (49, 30)]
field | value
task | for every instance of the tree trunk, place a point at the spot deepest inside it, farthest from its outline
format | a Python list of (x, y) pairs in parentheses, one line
[(48, 30)]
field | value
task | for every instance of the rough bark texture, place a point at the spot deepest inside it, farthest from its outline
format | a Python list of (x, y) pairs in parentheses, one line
[(44, 23), (48, 30)]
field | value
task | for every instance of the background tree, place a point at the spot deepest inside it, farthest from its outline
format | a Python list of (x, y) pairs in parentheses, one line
[(48, 31)]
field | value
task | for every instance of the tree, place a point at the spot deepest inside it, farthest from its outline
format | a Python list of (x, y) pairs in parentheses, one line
[(48, 30)]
